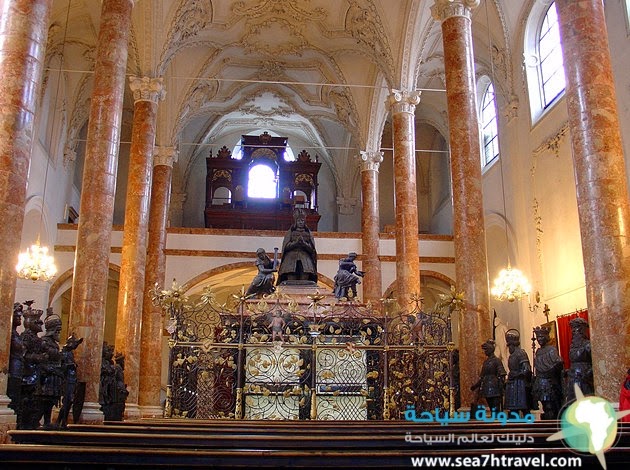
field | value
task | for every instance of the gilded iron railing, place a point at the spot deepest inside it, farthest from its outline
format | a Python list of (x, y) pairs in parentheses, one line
[(275, 358)]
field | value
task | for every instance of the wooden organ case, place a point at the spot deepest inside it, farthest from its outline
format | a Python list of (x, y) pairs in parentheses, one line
[(227, 202)]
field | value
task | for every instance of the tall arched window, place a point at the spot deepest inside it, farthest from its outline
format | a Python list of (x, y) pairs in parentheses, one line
[(552, 80), (489, 126), (544, 65)]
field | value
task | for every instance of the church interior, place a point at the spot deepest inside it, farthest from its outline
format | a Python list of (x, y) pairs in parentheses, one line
[(469, 155)]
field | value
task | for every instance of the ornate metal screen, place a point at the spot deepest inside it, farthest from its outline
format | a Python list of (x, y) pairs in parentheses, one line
[(278, 359)]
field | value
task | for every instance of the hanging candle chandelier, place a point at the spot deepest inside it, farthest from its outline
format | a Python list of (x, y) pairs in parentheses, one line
[(510, 285), (35, 264)]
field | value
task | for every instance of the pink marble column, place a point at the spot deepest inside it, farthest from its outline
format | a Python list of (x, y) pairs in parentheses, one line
[(146, 92), (91, 264), (23, 32), (152, 322), (370, 222), (471, 268), (403, 105), (602, 191)]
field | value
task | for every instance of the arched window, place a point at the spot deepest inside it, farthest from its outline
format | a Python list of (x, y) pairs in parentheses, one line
[(262, 182), (550, 54), (489, 127), (544, 64)]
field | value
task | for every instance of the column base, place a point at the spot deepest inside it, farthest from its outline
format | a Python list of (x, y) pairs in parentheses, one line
[(151, 411), (8, 419), (132, 411), (91, 413)]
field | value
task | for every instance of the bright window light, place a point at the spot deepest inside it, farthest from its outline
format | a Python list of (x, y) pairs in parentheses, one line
[(262, 182), (551, 61)]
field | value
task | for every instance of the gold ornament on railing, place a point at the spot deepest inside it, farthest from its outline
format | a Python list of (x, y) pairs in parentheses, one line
[(170, 298), (454, 301)]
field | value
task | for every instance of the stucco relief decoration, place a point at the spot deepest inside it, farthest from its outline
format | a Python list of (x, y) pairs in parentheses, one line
[(201, 93), (371, 161), (78, 117), (278, 108), (365, 26), (89, 55), (191, 17), (444, 9), (53, 49), (500, 61), (271, 70), (511, 110), (539, 230), (552, 144), (344, 107), (275, 27)]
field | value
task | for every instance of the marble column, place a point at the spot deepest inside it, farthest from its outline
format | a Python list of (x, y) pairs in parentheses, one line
[(403, 105), (96, 211), (602, 191), (370, 223), (23, 33), (152, 322), (146, 92), (471, 270)]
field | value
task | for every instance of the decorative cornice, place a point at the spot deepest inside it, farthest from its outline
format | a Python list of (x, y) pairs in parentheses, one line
[(371, 160), (147, 89), (164, 156), (444, 9), (403, 101)]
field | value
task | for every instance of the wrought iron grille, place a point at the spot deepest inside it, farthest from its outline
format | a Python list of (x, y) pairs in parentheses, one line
[(275, 358)]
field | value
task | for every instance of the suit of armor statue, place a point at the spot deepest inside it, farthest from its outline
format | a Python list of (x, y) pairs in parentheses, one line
[(580, 372), (548, 366), (28, 415), (518, 387), (490, 383)]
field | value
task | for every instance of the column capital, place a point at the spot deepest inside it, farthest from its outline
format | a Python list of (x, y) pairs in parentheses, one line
[(370, 160), (403, 101), (147, 89), (178, 198), (164, 156), (346, 204), (444, 9)]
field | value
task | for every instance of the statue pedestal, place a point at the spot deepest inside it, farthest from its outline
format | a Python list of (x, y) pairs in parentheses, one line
[(305, 292)]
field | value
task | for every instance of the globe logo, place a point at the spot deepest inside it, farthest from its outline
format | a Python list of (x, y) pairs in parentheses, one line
[(589, 425)]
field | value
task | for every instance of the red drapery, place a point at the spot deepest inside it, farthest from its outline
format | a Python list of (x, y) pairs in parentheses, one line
[(564, 334)]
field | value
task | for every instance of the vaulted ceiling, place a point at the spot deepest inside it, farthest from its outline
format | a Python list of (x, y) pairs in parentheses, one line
[(316, 71)]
